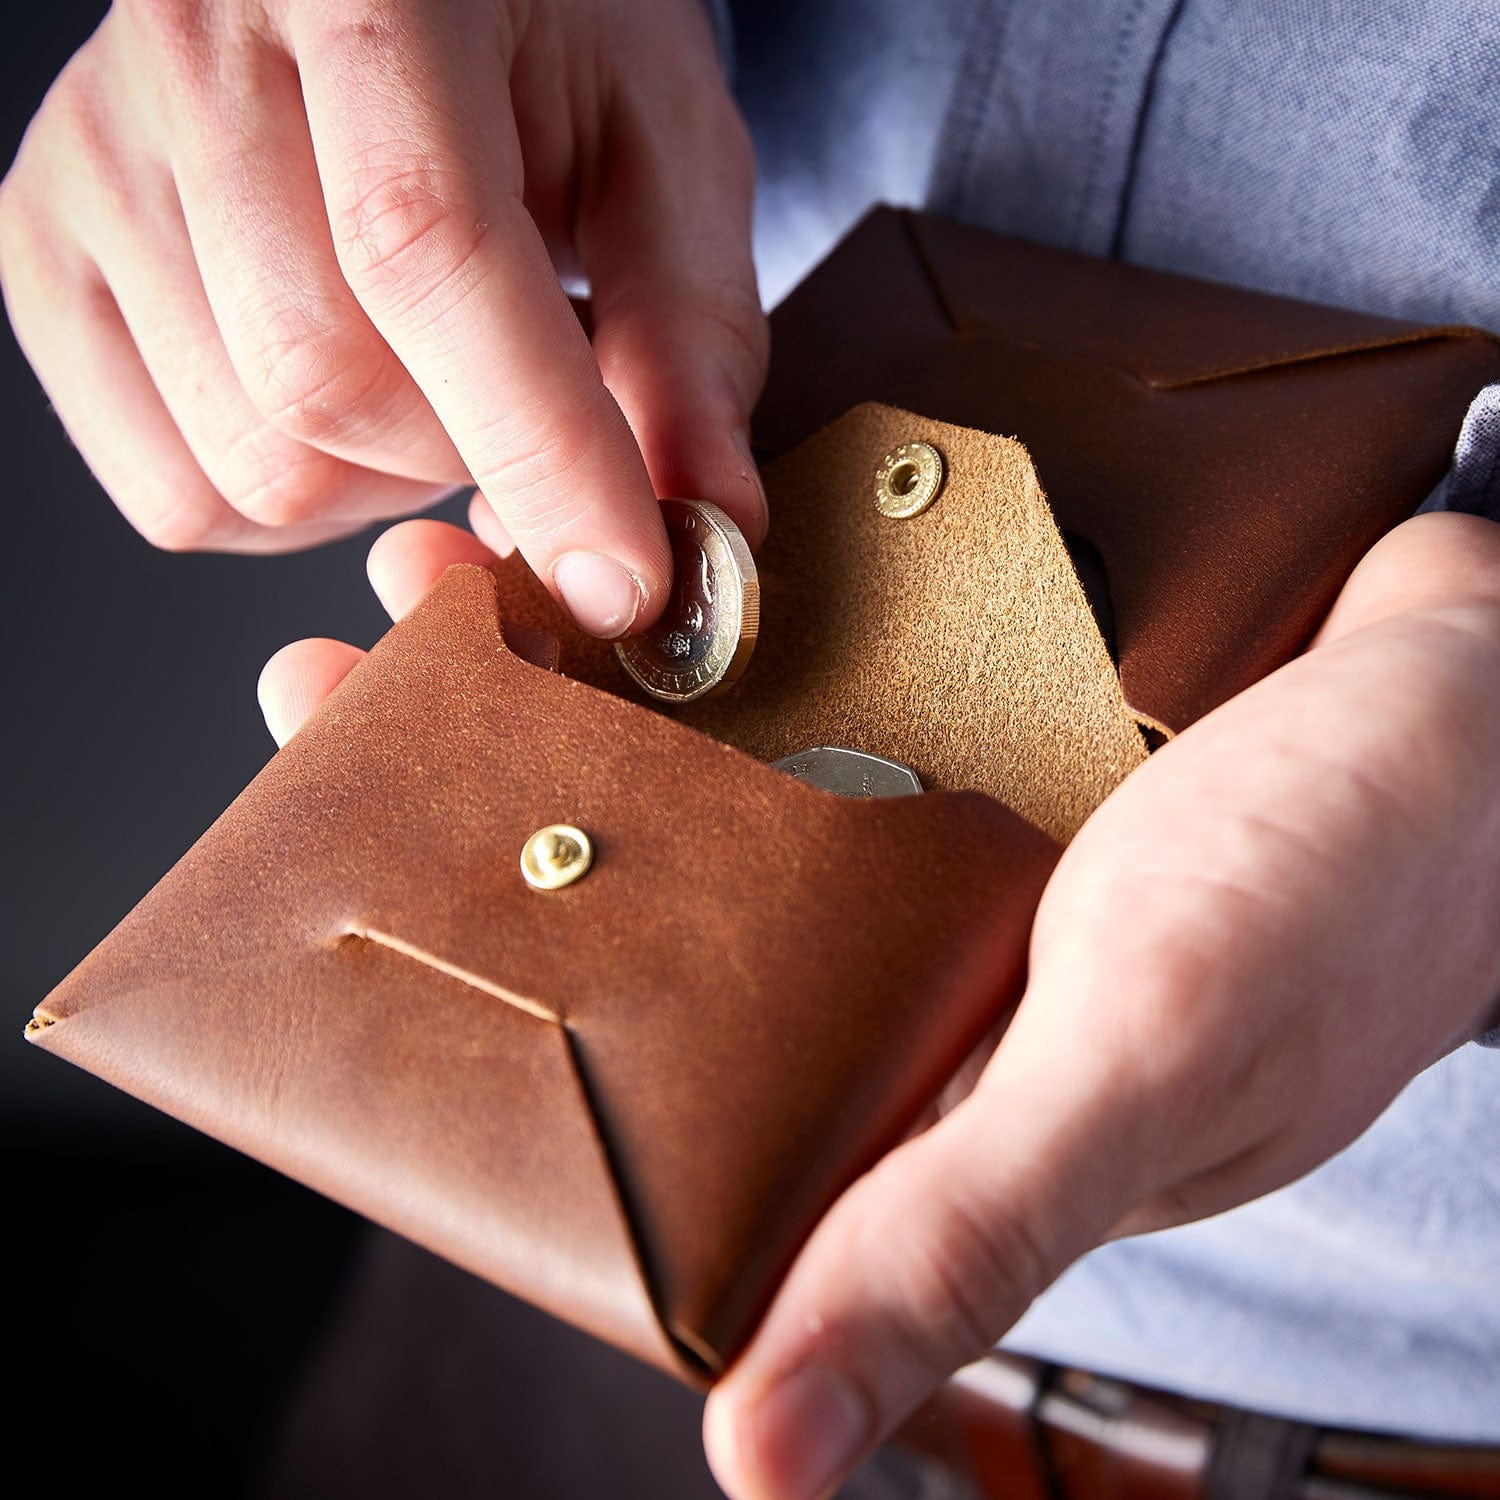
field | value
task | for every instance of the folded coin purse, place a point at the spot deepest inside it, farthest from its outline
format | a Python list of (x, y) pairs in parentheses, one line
[(630, 1099)]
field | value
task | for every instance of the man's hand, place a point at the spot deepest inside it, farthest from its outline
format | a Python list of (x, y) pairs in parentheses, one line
[(286, 266), (1243, 957)]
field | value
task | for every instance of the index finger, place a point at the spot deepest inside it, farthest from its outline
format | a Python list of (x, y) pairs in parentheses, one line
[(420, 164)]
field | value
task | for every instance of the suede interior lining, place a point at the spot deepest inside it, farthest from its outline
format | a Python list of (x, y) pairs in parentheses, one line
[(959, 642)]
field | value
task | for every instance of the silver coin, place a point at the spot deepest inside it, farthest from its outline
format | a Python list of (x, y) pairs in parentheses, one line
[(851, 773)]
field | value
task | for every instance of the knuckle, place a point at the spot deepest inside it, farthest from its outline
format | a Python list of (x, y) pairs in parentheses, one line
[(733, 311), (171, 25), (718, 316), (546, 521), (960, 1282), (737, 149), (75, 157), (280, 484), (405, 228), (533, 477), (15, 224), (316, 385), (179, 526), (72, 114)]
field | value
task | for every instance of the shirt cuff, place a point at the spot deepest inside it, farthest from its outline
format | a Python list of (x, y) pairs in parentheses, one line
[(1473, 483)]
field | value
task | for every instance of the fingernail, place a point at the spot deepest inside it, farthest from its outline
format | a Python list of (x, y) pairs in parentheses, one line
[(599, 593), (752, 473), (808, 1430)]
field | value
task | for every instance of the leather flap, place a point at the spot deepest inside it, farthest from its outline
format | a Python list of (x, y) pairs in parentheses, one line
[(404, 1092), (1166, 330), (628, 1100), (1226, 512)]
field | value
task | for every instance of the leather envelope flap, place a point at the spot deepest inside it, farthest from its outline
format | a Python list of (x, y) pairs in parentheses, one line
[(1166, 330), (1229, 456), (628, 1100)]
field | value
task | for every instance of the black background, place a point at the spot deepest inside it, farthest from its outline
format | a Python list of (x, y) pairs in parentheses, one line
[(161, 1290), (166, 1294)]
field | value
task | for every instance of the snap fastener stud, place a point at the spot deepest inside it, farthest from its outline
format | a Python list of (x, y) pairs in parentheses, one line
[(908, 480), (556, 856)]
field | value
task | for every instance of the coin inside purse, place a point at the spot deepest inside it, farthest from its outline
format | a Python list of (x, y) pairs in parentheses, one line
[(959, 641)]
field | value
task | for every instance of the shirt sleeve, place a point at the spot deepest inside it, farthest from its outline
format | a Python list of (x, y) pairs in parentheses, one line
[(1490, 1038), (1472, 485)]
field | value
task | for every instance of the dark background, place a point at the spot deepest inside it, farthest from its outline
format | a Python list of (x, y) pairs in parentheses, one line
[(176, 1310), (161, 1290)]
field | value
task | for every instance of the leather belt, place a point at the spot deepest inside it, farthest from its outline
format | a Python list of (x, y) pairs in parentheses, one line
[(1022, 1430)]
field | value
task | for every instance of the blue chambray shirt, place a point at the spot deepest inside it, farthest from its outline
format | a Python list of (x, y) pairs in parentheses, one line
[(1342, 152)]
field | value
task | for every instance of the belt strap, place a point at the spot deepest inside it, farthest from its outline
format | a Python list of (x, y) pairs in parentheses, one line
[(1016, 1429), (1257, 1457)]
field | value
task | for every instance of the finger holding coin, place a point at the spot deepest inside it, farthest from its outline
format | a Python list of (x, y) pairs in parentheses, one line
[(704, 636)]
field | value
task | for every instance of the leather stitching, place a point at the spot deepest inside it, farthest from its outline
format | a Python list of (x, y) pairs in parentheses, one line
[(1138, 138), (1101, 120), (952, 189)]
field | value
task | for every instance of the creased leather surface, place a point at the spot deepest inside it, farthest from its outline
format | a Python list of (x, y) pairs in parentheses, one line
[(348, 978), (1232, 455)]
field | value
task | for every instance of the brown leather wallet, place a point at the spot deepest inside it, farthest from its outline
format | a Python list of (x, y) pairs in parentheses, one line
[(630, 1100)]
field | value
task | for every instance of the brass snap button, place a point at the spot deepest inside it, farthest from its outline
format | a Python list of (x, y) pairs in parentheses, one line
[(556, 856), (908, 480)]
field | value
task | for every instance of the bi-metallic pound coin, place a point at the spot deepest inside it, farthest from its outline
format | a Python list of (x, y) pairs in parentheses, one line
[(705, 635)]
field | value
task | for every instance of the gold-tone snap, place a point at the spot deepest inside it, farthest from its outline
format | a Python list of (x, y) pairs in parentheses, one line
[(556, 856), (908, 480)]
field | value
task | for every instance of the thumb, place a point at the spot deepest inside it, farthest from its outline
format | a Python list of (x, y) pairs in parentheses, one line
[(920, 1267)]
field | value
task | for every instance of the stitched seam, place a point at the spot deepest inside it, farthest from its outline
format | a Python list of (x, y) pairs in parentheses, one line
[(1101, 120), (986, 37), (464, 976), (1481, 492), (1493, 473), (1138, 140)]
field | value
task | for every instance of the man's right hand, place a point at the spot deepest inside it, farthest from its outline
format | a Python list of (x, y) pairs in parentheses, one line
[(285, 267)]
